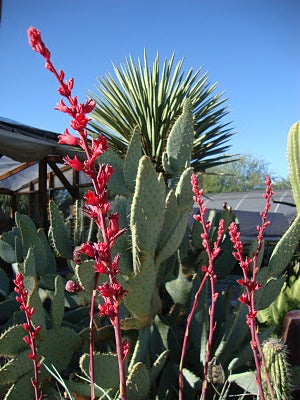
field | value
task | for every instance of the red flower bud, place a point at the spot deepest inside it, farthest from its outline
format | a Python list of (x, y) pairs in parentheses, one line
[(125, 349), (35, 41), (27, 340)]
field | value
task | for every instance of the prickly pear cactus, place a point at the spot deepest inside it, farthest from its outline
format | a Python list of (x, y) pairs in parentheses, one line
[(56, 344), (275, 353), (293, 151), (179, 145), (156, 213)]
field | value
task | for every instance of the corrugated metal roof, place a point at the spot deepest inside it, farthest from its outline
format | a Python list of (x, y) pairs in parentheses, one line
[(247, 207)]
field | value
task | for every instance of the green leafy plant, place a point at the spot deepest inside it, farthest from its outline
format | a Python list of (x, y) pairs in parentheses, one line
[(151, 97)]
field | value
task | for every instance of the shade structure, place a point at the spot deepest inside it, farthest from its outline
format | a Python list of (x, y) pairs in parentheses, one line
[(31, 160)]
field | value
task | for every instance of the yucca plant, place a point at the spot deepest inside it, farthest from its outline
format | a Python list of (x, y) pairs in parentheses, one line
[(151, 99)]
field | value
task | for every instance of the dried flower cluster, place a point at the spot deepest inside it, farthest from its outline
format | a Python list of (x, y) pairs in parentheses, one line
[(96, 206)]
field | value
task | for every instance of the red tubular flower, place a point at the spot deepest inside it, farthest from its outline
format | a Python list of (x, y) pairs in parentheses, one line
[(101, 267), (75, 163), (91, 212), (101, 251), (87, 249), (61, 106), (87, 107), (79, 122), (244, 299), (67, 138), (115, 264), (94, 211), (90, 198), (113, 226), (99, 146), (104, 174)]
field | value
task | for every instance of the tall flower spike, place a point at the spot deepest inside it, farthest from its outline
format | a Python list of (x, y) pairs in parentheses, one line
[(251, 285), (96, 207), (212, 253), (32, 332)]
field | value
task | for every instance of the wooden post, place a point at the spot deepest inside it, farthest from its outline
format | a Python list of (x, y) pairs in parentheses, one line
[(13, 207), (43, 195), (76, 184), (31, 201)]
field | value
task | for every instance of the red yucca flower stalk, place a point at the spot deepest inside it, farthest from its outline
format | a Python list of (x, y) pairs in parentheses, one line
[(212, 253), (31, 331), (96, 207), (251, 285)]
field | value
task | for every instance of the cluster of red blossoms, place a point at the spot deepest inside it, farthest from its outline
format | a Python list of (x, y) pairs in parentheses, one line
[(96, 202), (22, 299), (216, 249), (250, 282), (32, 332)]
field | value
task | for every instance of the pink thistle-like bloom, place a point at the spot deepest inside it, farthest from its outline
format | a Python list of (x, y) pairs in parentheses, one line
[(73, 287)]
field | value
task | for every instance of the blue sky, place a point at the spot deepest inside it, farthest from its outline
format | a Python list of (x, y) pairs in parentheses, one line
[(250, 47)]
